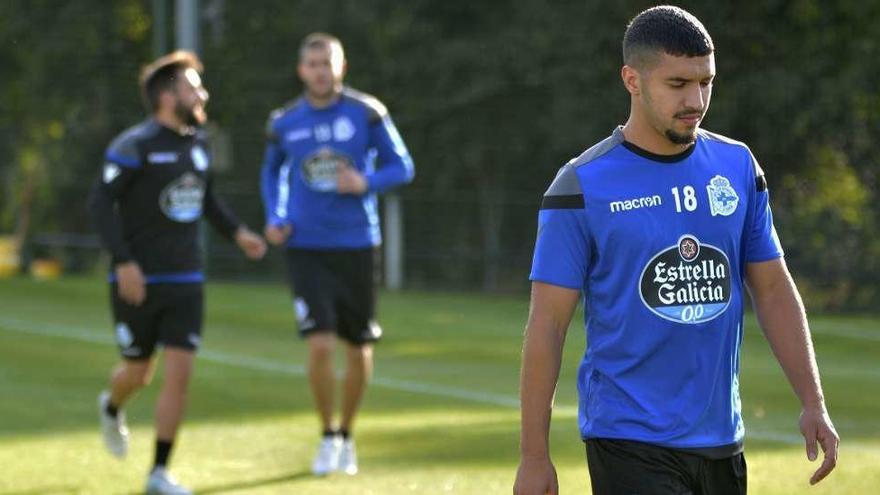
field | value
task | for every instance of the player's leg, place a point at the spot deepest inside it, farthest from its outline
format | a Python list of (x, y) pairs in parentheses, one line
[(357, 326), (313, 292), (322, 377), (180, 326), (136, 338), (322, 381), (128, 377), (359, 368), (171, 403)]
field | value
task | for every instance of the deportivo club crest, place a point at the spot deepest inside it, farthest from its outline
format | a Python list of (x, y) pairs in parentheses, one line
[(687, 282), (199, 158), (722, 197)]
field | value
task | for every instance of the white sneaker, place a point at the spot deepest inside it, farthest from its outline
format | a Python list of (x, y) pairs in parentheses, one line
[(327, 459), (348, 461), (114, 430), (161, 483)]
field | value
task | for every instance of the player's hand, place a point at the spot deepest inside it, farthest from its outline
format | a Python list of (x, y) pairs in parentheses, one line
[(252, 244), (277, 234), (350, 181), (130, 283), (816, 427), (536, 476)]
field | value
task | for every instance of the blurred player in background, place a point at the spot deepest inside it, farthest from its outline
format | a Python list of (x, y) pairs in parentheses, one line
[(156, 184), (330, 153), (660, 227)]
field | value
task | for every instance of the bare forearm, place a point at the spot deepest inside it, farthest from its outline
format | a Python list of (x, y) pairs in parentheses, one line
[(542, 357), (783, 319)]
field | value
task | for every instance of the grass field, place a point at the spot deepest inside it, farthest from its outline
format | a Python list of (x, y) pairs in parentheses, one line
[(441, 416)]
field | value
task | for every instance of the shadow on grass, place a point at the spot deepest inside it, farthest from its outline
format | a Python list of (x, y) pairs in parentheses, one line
[(260, 483), (46, 490)]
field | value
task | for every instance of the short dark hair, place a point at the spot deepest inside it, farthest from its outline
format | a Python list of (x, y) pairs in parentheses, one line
[(319, 40), (161, 74), (664, 29)]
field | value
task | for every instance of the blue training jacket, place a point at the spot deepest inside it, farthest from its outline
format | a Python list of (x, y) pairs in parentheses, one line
[(307, 145)]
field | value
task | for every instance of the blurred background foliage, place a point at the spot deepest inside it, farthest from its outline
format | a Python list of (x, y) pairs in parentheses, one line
[(491, 97)]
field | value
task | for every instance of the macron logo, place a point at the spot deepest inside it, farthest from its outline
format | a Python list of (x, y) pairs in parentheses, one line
[(635, 203)]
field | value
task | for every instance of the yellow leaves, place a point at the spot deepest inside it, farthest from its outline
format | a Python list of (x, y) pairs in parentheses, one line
[(133, 19), (829, 183)]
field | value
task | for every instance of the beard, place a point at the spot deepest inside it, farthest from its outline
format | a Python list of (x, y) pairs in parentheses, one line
[(678, 138), (191, 116)]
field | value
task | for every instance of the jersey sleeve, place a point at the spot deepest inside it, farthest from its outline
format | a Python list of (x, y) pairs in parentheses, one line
[(394, 166), (218, 212), (763, 242), (562, 249), (122, 164), (270, 180)]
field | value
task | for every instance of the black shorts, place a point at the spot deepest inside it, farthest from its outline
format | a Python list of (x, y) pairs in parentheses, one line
[(171, 316), (335, 291), (620, 467)]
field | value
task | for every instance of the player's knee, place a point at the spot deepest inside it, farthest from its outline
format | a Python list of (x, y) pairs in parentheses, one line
[(137, 376), (361, 353), (321, 346)]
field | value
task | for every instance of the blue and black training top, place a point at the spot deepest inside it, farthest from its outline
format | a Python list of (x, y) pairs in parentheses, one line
[(659, 245), (307, 146), (154, 187)]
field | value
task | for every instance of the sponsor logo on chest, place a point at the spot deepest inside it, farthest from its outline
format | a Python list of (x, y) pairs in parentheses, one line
[(181, 200), (162, 157), (689, 282), (320, 169)]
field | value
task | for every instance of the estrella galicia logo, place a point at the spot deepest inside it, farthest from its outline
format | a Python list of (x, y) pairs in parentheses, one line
[(722, 197), (320, 168), (687, 283), (181, 200)]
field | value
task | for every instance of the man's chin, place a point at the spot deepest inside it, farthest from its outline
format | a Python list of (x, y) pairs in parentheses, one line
[(687, 137), (322, 93)]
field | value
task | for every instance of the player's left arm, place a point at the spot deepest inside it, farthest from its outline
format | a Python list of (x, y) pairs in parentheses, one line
[(783, 320), (224, 221), (394, 166)]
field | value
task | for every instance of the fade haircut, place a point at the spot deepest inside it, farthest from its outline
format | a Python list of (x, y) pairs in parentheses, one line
[(664, 29), (321, 40), (161, 75)]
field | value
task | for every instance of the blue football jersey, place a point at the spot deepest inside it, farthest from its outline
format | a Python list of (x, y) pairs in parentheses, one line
[(659, 247), (306, 148)]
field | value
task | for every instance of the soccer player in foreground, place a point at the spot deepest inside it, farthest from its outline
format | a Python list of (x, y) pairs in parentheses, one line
[(330, 153), (155, 185), (661, 226)]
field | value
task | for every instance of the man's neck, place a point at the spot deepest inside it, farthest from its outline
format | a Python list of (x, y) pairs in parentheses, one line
[(170, 120), (324, 101), (643, 135)]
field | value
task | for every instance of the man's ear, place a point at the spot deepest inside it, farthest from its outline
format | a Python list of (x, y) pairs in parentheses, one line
[(166, 98), (632, 80)]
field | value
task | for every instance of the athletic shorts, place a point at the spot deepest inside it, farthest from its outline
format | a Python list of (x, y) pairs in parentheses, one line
[(171, 316), (620, 467), (335, 291)]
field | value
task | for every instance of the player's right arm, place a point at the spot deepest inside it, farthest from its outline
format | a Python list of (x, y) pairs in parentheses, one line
[(122, 164), (550, 313), (277, 228), (559, 270)]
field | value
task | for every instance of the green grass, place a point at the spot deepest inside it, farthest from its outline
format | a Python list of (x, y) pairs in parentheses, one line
[(438, 418)]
